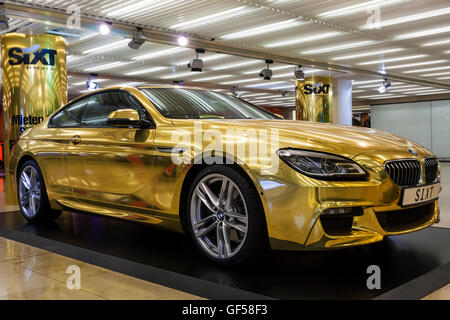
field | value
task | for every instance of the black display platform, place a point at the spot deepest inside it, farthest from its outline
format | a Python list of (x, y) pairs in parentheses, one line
[(412, 265)]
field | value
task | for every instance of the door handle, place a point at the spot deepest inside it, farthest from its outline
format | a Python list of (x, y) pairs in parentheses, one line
[(75, 140)]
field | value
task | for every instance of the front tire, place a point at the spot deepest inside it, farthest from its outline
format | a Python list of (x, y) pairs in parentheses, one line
[(32, 194), (225, 217)]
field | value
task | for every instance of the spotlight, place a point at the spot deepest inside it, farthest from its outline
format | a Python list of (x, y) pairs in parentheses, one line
[(104, 28), (3, 20), (266, 74), (386, 84), (138, 40), (182, 41), (299, 73), (196, 64), (90, 84)]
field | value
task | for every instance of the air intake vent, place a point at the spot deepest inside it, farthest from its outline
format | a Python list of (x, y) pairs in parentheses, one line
[(431, 169), (404, 173)]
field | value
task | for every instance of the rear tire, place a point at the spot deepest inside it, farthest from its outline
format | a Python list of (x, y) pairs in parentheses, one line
[(32, 194), (224, 216)]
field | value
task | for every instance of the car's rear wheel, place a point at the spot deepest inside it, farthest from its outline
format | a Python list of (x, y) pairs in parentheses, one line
[(32, 194), (225, 216)]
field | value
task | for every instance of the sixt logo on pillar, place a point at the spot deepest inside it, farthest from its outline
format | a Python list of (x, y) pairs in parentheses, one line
[(31, 56), (318, 88)]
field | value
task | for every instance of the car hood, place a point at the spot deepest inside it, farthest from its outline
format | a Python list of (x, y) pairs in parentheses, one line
[(346, 141)]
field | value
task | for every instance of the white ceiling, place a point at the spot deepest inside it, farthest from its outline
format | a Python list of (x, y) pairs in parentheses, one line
[(413, 41)]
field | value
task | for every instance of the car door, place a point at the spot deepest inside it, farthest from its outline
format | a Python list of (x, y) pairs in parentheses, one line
[(61, 128), (110, 167)]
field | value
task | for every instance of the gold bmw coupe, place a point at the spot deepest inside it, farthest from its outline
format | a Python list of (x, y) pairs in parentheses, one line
[(234, 177)]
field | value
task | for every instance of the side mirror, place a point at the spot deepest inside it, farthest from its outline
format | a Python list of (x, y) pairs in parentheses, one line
[(125, 118)]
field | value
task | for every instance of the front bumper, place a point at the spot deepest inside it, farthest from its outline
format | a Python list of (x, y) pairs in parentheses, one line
[(294, 205)]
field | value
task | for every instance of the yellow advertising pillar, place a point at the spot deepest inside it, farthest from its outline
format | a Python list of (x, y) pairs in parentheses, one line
[(34, 81), (314, 99)]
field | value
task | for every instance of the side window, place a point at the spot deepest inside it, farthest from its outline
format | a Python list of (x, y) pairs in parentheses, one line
[(101, 105), (69, 116)]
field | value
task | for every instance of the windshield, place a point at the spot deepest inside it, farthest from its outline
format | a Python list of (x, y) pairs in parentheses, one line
[(178, 103)]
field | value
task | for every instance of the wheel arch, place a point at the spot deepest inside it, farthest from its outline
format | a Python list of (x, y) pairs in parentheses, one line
[(201, 162), (24, 158)]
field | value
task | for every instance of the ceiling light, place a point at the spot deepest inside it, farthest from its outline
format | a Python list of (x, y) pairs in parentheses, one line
[(428, 69), (299, 73), (392, 60), (415, 64), (149, 70), (107, 66), (182, 41), (414, 17), (177, 75), (339, 47), (423, 33), (254, 95), (306, 39), (389, 97), (3, 20), (367, 54), (436, 74), (239, 81), (273, 68), (138, 40), (214, 77), (426, 91), (375, 85), (355, 83), (104, 28), (411, 89), (215, 57), (108, 47), (289, 86), (196, 65), (436, 43), (361, 7), (259, 84), (236, 65), (205, 59), (160, 53), (219, 16), (386, 85), (266, 74), (263, 29), (374, 96), (130, 8), (90, 83)]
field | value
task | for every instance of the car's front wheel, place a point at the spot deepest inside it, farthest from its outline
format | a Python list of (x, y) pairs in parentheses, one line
[(32, 194), (225, 216)]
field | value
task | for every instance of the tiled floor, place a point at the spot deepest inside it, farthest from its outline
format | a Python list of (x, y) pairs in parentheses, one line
[(31, 273)]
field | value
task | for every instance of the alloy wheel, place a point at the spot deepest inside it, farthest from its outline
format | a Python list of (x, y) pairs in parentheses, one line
[(218, 215), (29, 191)]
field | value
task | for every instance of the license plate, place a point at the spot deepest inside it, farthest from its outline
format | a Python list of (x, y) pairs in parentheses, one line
[(420, 194)]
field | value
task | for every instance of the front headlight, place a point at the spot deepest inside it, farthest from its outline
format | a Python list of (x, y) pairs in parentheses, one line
[(321, 165)]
